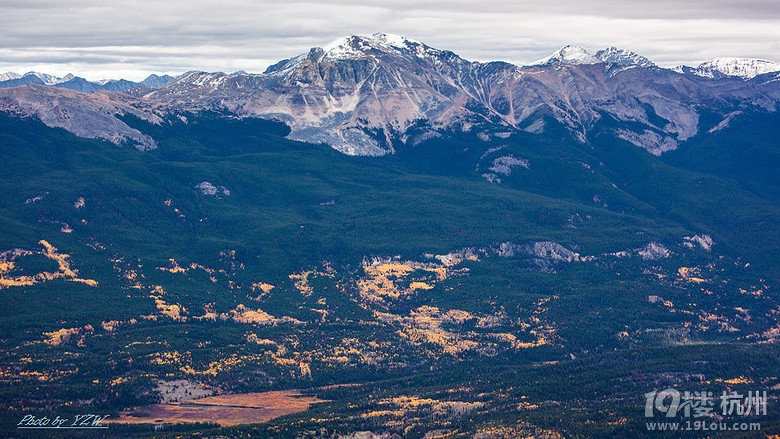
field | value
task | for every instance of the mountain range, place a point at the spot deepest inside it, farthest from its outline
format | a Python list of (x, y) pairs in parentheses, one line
[(72, 82), (362, 94)]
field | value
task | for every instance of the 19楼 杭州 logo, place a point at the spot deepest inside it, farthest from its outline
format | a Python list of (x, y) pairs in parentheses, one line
[(672, 403), (686, 411)]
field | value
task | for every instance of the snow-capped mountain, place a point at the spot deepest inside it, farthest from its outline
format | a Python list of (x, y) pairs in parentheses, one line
[(357, 47), (745, 68), (364, 94), (338, 93), (570, 55), (50, 79)]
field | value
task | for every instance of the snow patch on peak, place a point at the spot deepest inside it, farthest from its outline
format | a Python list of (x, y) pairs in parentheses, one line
[(613, 55), (358, 46), (568, 55), (344, 48), (745, 68), (393, 40)]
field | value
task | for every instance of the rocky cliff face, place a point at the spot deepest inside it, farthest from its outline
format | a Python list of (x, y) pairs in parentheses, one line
[(361, 93)]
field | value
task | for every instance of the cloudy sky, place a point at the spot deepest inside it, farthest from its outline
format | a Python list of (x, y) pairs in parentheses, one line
[(132, 38)]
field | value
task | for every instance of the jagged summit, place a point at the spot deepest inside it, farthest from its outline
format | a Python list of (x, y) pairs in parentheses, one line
[(613, 55), (568, 55)]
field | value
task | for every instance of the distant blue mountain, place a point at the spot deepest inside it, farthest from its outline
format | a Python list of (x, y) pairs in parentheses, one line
[(80, 84)]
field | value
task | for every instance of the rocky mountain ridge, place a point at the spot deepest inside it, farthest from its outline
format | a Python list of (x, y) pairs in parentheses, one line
[(364, 94)]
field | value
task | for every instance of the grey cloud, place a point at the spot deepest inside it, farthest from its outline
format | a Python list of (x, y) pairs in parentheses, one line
[(97, 38)]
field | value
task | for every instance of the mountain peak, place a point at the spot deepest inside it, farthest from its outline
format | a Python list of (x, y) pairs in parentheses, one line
[(156, 81), (360, 46), (745, 68), (568, 55), (613, 55)]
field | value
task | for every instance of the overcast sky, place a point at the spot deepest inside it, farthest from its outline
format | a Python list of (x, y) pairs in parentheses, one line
[(132, 38)]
